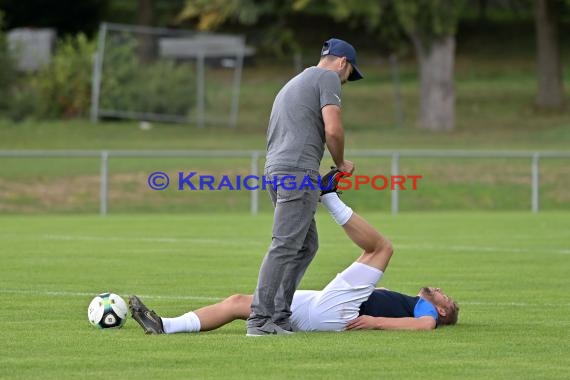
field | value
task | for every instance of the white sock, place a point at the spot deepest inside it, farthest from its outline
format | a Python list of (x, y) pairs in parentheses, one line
[(188, 322), (337, 208)]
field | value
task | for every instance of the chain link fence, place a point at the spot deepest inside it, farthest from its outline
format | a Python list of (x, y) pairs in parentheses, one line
[(118, 181), (167, 75)]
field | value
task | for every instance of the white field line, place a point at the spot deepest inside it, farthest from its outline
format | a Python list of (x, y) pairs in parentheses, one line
[(50, 293), (146, 240), (206, 298), (474, 248), (228, 242), (233, 242)]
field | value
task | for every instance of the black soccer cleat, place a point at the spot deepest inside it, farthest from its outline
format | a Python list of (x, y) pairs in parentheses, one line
[(147, 319), (329, 181)]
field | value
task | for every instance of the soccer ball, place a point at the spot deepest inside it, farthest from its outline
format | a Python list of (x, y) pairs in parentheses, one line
[(107, 310)]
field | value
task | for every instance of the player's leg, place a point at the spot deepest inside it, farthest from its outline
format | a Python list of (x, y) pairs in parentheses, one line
[(294, 212), (210, 317), (206, 318), (377, 250), (339, 302), (215, 316), (294, 272)]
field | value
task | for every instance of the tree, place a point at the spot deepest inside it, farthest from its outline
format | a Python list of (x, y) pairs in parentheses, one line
[(7, 73), (549, 65), (378, 18), (276, 36), (432, 25), (145, 17)]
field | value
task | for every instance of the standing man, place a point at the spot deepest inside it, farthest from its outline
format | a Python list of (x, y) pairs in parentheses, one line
[(306, 115)]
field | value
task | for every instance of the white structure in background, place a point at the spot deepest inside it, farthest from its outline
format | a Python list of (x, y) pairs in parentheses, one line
[(32, 48), (224, 47)]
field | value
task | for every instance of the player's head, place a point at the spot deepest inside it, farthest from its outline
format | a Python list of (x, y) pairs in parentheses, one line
[(446, 307), (342, 57)]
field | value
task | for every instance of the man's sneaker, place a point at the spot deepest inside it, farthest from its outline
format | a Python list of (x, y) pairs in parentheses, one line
[(148, 319), (269, 328), (329, 181)]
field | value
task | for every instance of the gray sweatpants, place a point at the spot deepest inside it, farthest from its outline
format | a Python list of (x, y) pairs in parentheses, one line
[(293, 246)]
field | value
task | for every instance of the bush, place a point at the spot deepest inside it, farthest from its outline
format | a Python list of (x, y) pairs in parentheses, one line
[(7, 73), (60, 89), (130, 85), (64, 86)]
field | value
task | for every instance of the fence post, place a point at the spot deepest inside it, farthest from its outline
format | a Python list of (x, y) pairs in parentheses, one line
[(535, 184), (395, 171), (398, 113), (237, 84), (103, 192), (200, 89), (97, 71), (254, 206)]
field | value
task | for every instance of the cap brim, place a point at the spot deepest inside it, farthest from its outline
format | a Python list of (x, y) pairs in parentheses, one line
[(356, 74)]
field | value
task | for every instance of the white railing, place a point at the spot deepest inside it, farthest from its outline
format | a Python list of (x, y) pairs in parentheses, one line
[(255, 157)]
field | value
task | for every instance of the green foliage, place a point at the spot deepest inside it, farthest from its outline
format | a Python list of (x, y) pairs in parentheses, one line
[(23, 102), (277, 37), (367, 12), (6, 68), (212, 13), (65, 84), (429, 19), (164, 12), (60, 89), (18, 100), (378, 17), (387, 21), (154, 87)]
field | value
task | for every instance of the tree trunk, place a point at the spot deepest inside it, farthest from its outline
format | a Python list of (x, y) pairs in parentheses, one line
[(437, 93), (549, 66), (145, 17), (482, 14)]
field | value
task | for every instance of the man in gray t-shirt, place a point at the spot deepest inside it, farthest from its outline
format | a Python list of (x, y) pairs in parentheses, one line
[(306, 115)]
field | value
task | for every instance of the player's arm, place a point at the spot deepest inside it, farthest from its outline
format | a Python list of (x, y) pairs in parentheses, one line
[(334, 136), (366, 322)]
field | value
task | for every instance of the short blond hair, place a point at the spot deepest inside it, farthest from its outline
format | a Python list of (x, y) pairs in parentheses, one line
[(451, 314)]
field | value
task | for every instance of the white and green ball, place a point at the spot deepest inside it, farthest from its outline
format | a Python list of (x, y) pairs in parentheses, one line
[(107, 310)]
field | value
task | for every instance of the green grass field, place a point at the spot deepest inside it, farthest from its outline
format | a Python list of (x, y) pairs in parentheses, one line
[(508, 271), (182, 250)]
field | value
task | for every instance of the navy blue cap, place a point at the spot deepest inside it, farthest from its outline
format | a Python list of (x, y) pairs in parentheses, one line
[(340, 48)]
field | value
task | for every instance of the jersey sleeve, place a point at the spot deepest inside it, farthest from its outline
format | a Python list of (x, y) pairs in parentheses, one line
[(329, 88), (425, 309)]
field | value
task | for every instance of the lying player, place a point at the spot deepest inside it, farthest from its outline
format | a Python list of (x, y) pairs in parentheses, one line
[(349, 302)]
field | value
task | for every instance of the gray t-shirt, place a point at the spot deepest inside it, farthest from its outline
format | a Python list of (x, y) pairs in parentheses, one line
[(296, 133)]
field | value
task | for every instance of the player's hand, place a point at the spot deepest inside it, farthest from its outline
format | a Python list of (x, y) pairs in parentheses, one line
[(364, 322), (346, 167)]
